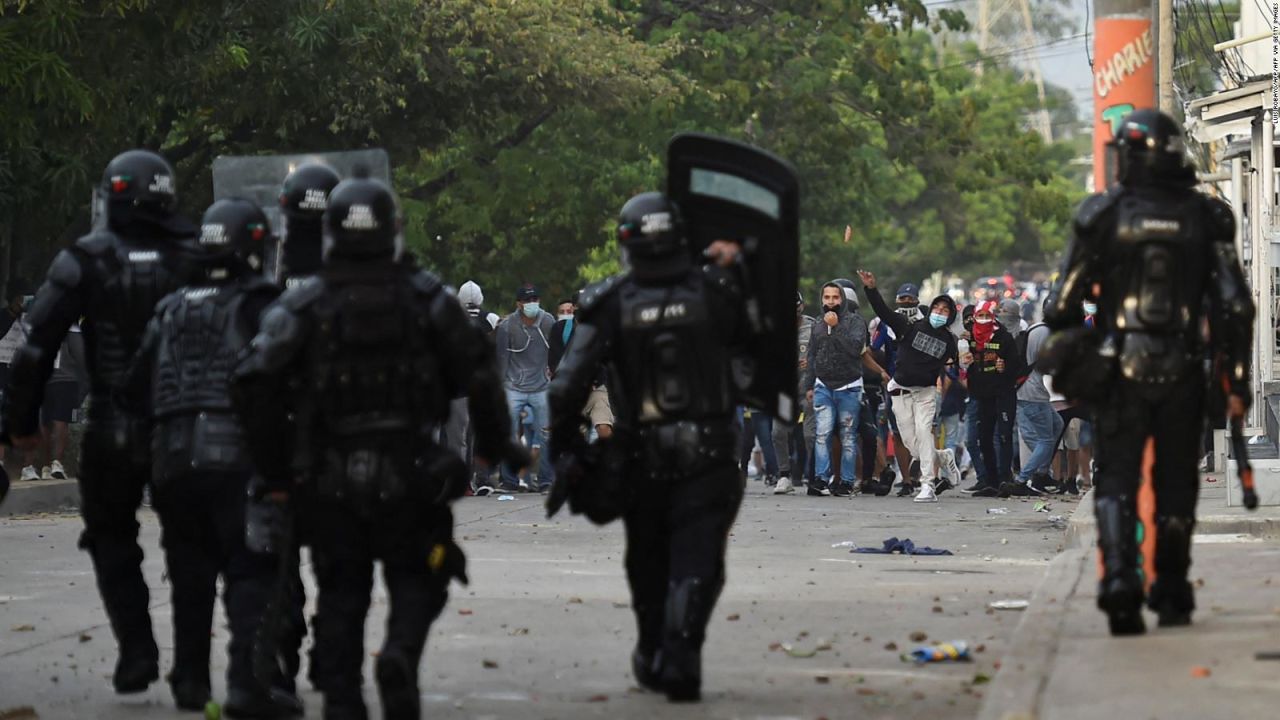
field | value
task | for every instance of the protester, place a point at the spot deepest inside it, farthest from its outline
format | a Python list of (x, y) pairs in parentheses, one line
[(794, 439), (523, 341), (1038, 424), (835, 360), (924, 346), (993, 376)]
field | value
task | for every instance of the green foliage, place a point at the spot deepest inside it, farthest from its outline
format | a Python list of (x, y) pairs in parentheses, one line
[(518, 127)]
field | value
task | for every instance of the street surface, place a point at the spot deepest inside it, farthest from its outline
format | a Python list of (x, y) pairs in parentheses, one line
[(545, 631)]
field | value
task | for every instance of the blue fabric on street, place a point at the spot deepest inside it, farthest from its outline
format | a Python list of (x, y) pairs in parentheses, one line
[(894, 546)]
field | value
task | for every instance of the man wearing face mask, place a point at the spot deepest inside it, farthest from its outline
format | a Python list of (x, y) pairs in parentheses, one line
[(924, 346), (993, 378), (523, 341), (598, 410), (907, 304)]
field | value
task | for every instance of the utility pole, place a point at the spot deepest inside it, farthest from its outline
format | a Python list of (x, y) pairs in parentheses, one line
[(990, 12), (1164, 54), (1124, 77)]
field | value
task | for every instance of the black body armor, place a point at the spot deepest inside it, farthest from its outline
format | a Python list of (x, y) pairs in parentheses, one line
[(114, 282), (363, 360), (199, 333), (670, 354), (1158, 252)]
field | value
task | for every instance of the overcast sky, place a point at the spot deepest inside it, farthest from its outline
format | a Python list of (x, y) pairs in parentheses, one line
[(1066, 64)]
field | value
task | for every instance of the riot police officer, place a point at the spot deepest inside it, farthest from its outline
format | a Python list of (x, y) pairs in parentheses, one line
[(1149, 251), (112, 278), (200, 468), (665, 330), (304, 195), (343, 391), (303, 198)]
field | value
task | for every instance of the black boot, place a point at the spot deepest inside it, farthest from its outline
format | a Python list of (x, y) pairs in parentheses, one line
[(189, 693), (252, 701), (397, 687), (137, 668), (1120, 591), (644, 659), (117, 564), (1171, 595), (689, 603)]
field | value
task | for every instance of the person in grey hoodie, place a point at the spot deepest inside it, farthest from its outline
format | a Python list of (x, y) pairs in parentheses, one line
[(835, 358), (523, 342)]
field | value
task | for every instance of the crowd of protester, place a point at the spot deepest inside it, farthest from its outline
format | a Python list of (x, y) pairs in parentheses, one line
[(901, 396)]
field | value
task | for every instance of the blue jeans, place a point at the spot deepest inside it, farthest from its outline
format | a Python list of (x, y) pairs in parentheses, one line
[(832, 406), (951, 432), (1040, 427), (761, 430), (540, 412), (971, 439)]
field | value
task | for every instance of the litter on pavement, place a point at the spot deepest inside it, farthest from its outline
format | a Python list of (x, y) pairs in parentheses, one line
[(894, 546), (957, 651)]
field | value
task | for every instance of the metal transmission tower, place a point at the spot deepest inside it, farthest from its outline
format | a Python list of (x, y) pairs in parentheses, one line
[(990, 12)]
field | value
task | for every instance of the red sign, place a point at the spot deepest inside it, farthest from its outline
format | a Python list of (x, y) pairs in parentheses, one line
[(1124, 79)]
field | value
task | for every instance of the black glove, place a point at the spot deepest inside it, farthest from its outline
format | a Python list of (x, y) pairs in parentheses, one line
[(570, 473), (268, 519)]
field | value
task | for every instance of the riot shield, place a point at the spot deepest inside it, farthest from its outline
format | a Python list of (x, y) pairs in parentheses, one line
[(730, 190), (258, 178)]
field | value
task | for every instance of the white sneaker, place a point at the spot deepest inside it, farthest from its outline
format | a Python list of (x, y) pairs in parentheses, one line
[(947, 461), (926, 493), (44, 473), (784, 486), (29, 473), (56, 470)]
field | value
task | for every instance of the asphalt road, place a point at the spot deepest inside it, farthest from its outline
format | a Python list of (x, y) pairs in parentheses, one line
[(545, 631)]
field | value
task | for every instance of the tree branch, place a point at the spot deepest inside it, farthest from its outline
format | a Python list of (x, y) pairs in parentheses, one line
[(441, 182)]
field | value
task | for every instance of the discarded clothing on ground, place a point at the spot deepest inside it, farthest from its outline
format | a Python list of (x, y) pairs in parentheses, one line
[(894, 546)]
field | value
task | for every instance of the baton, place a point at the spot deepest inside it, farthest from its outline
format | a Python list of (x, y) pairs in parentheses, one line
[(1241, 452)]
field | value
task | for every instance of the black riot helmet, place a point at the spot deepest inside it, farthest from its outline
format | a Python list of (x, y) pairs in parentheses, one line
[(305, 191), (138, 184), (361, 222), (1150, 149), (233, 236), (652, 235)]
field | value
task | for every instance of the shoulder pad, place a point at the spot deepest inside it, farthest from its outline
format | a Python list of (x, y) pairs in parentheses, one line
[(300, 296), (96, 243), (595, 293), (1092, 209), (425, 282), (1221, 219), (65, 270), (257, 283), (170, 301)]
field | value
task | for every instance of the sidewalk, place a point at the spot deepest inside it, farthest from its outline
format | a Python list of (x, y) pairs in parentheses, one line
[(40, 496), (1063, 664)]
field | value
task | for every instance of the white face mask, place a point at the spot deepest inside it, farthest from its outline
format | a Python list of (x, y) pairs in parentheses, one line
[(566, 316)]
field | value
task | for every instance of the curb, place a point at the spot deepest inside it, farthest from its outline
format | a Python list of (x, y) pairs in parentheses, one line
[(1025, 670), (1082, 528), (41, 496)]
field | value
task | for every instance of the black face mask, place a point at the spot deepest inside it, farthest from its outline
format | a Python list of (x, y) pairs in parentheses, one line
[(832, 308)]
